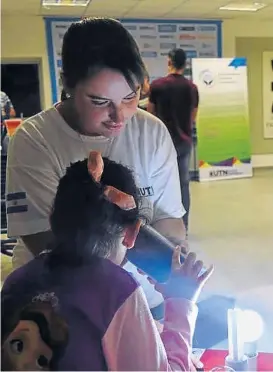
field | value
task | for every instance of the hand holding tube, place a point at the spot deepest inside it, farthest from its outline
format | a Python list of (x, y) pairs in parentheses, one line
[(185, 280)]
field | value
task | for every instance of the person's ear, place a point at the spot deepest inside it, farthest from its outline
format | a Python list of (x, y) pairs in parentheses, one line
[(130, 235), (65, 87)]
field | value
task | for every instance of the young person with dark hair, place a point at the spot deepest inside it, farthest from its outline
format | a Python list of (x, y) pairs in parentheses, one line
[(174, 99), (102, 75), (95, 218)]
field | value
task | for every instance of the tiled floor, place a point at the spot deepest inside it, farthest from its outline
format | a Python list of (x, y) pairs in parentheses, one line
[(232, 227)]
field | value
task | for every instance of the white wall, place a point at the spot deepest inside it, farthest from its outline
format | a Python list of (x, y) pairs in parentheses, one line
[(237, 29)]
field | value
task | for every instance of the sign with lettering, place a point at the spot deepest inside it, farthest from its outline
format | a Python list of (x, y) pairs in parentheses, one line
[(223, 122), (155, 39)]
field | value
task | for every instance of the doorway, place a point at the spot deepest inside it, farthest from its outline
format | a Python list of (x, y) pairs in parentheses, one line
[(20, 81)]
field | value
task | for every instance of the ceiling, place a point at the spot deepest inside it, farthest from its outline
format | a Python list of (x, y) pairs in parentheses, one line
[(168, 9)]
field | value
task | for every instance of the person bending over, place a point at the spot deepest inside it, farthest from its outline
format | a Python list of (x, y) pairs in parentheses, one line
[(95, 219), (102, 77)]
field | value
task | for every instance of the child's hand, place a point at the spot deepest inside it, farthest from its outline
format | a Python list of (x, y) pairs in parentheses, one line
[(184, 281)]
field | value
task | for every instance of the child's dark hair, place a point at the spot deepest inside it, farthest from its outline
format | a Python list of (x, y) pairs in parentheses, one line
[(96, 43), (178, 58), (85, 224)]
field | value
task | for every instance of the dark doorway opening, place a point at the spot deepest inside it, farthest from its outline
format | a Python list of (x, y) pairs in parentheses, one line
[(20, 81)]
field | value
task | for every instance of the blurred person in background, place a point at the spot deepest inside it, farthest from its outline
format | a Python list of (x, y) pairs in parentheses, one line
[(102, 77), (144, 93), (174, 99), (7, 112)]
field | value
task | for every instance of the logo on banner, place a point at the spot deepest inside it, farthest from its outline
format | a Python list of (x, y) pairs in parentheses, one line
[(187, 37), (167, 45), (218, 173), (148, 54), (191, 53), (166, 36), (147, 36), (147, 28), (130, 27), (184, 46), (167, 28), (147, 46), (61, 26), (186, 28), (207, 78), (206, 46), (207, 28), (224, 173), (207, 54)]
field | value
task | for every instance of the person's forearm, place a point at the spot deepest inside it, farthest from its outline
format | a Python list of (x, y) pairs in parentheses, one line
[(36, 243), (194, 115), (178, 332), (173, 229)]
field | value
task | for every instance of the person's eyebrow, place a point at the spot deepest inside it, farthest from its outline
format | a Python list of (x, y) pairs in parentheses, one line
[(99, 98), (92, 96), (133, 92)]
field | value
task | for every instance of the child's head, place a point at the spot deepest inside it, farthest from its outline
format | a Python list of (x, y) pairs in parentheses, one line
[(86, 220)]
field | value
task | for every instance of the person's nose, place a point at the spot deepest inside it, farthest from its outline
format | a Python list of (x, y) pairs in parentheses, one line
[(117, 114)]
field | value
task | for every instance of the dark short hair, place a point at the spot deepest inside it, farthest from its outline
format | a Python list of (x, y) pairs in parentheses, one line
[(178, 58), (95, 43), (84, 223), (63, 95)]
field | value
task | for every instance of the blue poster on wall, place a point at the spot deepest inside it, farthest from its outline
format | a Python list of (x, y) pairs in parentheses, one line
[(155, 38)]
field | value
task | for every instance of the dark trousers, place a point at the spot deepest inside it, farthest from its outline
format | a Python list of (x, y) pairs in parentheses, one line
[(183, 160)]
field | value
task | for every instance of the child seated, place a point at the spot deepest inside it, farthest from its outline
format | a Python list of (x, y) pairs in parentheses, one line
[(79, 281)]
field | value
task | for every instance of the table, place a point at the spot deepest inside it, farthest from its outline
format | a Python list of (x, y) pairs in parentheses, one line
[(260, 300), (214, 358)]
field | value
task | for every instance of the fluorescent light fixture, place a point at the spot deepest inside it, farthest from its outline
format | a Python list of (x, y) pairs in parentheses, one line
[(47, 3), (243, 6)]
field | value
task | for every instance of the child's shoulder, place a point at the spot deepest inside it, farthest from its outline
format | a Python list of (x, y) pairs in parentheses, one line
[(113, 276)]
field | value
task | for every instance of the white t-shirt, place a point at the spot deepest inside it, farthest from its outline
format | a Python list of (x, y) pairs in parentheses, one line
[(44, 146)]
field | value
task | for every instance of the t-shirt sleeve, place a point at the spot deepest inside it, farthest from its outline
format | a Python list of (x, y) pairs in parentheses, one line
[(165, 178), (32, 181), (153, 93), (195, 95), (133, 343)]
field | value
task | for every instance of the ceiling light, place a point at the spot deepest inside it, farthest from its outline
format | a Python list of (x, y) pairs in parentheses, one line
[(47, 3), (243, 6)]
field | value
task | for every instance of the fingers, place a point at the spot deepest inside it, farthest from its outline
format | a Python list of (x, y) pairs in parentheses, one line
[(197, 267), (141, 272), (185, 248), (189, 262), (176, 264), (206, 275)]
